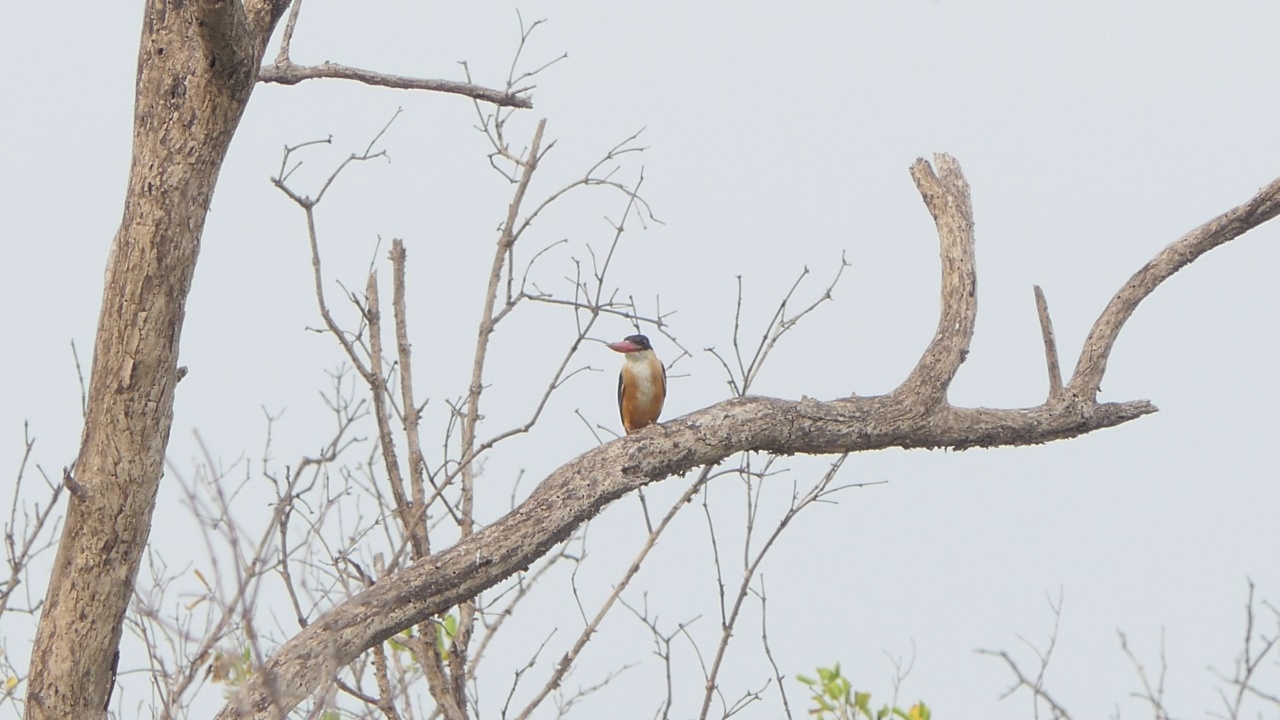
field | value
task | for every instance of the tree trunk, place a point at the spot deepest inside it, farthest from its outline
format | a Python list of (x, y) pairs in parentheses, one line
[(197, 65)]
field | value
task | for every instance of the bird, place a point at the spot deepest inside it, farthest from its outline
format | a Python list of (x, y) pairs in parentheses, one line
[(642, 383)]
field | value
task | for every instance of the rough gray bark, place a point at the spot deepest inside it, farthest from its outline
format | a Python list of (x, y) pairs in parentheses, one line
[(197, 63), (915, 415)]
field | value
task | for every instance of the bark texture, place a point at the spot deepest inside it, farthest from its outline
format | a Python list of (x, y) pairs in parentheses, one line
[(197, 65)]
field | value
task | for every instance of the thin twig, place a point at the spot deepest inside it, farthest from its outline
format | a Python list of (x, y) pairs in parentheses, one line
[(21, 548), (798, 504), (768, 652), (1036, 685), (1153, 695), (588, 632), (286, 72)]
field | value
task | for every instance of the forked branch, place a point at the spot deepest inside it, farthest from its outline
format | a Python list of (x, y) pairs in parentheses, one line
[(915, 415), (1218, 231), (286, 72), (283, 71)]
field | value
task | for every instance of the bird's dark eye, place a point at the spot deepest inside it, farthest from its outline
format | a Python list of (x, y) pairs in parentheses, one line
[(640, 340)]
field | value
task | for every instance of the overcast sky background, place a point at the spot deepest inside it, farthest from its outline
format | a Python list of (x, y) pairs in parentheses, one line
[(779, 136)]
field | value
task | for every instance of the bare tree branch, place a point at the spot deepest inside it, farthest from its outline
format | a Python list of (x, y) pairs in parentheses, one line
[(283, 71), (915, 415), (1257, 647), (751, 564), (566, 662), (946, 194), (416, 519), (1154, 695), (286, 38), (768, 652), (22, 545), (287, 73), (1226, 227), (1050, 345)]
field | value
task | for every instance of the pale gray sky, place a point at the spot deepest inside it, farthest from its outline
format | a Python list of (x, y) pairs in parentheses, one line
[(1092, 134)]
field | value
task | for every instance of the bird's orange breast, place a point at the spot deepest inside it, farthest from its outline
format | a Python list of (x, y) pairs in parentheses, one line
[(642, 394)]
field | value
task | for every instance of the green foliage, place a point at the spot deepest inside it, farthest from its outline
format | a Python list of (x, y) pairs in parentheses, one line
[(230, 669), (835, 699), (396, 645), (446, 628)]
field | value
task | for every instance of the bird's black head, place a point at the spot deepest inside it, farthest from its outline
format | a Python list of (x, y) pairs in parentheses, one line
[(640, 340), (631, 344)]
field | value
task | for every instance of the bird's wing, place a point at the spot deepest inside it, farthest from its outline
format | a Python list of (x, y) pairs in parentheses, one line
[(664, 381), (620, 413)]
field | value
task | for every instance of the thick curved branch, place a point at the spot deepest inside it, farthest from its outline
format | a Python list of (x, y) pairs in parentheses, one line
[(946, 194), (915, 415), (285, 72), (1226, 227), (581, 488)]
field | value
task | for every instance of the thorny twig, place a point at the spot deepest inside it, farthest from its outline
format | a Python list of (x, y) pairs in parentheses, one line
[(1036, 684), (778, 325)]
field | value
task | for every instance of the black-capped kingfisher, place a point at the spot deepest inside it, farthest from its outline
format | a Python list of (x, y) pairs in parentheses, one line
[(642, 383)]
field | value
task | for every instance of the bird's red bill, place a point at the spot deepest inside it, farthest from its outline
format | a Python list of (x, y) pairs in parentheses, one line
[(624, 346)]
